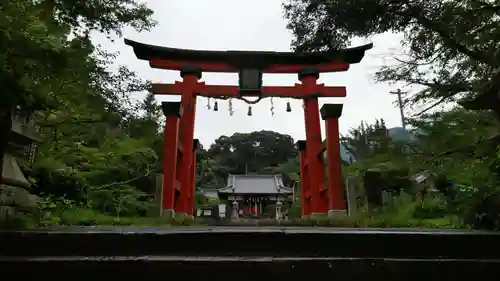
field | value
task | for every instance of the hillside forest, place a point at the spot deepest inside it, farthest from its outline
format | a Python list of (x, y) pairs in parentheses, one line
[(101, 152)]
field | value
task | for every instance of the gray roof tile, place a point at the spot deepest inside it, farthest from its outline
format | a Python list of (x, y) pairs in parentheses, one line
[(255, 184)]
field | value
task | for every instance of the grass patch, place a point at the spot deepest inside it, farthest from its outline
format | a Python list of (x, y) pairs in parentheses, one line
[(15, 220), (89, 217)]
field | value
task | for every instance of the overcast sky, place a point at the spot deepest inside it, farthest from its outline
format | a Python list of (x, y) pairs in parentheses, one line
[(255, 25)]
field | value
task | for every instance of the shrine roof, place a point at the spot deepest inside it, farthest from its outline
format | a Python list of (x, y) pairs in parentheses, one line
[(249, 59), (255, 184)]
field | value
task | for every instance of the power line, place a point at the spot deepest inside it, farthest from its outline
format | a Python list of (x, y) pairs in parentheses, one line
[(400, 93)]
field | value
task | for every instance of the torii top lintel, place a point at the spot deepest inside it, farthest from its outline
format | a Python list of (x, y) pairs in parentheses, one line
[(234, 61)]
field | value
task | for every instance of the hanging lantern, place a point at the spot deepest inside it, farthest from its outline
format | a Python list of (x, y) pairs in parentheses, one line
[(249, 111), (208, 104), (230, 108), (272, 106), (288, 107), (216, 106), (250, 80)]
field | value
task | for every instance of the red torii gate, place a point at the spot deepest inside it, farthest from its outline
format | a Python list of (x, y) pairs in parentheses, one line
[(179, 159)]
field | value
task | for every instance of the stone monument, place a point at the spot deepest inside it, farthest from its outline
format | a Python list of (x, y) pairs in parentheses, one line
[(352, 196), (234, 211), (14, 194), (279, 210)]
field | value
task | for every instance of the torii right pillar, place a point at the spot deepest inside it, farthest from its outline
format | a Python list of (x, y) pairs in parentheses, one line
[(336, 205)]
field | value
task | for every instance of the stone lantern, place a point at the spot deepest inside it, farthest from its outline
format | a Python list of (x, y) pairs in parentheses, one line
[(14, 196)]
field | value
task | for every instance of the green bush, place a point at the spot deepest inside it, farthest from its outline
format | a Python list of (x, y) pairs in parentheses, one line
[(430, 208), (15, 220)]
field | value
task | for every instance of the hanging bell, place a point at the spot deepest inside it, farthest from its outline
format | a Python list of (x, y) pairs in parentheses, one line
[(216, 106), (209, 106), (249, 111), (288, 107)]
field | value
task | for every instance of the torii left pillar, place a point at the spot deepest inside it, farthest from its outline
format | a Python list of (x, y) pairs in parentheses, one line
[(173, 112)]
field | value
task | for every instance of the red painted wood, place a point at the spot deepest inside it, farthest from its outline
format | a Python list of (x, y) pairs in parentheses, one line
[(170, 162), (224, 67), (335, 191), (322, 148), (179, 147), (315, 166), (191, 186), (204, 66), (304, 185), (218, 91), (188, 102), (178, 185)]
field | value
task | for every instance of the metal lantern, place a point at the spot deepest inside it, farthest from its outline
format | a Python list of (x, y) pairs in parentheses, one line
[(250, 80)]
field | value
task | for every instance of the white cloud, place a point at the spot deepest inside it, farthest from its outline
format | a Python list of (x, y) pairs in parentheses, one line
[(254, 25)]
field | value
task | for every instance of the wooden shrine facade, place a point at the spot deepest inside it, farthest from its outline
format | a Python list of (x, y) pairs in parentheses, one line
[(255, 194), (179, 157)]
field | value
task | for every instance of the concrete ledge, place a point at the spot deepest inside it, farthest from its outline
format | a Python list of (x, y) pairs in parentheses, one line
[(252, 241), (222, 252), (168, 214), (337, 214), (318, 216)]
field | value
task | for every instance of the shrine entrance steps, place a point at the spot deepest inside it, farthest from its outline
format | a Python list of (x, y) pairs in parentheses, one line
[(246, 253)]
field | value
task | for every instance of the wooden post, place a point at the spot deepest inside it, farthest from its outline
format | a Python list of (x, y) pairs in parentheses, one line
[(5, 131), (173, 112), (331, 114), (352, 197), (192, 183), (158, 210), (190, 77), (315, 165), (305, 196)]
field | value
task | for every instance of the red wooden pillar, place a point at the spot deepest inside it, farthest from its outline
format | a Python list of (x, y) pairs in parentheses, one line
[(315, 166), (190, 76), (305, 196), (192, 181), (178, 183), (331, 114), (172, 111)]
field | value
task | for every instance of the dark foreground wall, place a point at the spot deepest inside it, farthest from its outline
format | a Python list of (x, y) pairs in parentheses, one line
[(224, 253)]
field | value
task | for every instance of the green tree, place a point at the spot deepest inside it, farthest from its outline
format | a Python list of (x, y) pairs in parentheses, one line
[(460, 147), (45, 50), (372, 140), (255, 152), (450, 47)]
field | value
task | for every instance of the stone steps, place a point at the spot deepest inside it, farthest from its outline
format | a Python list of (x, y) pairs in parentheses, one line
[(265, 268), (223, 253)]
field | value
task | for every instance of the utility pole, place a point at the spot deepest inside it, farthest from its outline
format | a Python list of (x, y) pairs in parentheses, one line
[(399, 93)]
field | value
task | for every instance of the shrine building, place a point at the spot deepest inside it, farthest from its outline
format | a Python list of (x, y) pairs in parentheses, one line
[(256, 194)]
